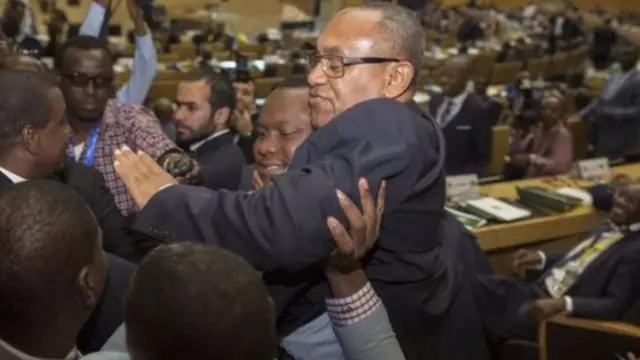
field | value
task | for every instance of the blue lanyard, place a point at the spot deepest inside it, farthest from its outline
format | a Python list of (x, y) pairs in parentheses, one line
[(90, 150)]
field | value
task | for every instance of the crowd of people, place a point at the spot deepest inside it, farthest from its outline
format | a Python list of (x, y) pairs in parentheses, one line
[(312, 228)]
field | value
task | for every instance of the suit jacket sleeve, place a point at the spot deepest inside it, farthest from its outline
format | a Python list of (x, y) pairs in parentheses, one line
[(619, 294), (284, 225), (631, 112), (371, 338), (114, 237), (482, 145)]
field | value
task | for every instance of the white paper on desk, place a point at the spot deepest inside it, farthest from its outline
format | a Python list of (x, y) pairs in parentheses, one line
[(462, 187), (499, 209), (593, 169), (576, 193)]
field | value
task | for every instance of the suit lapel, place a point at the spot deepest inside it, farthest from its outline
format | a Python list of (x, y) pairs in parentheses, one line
[(464, 107), (605, 255), (434, 105)]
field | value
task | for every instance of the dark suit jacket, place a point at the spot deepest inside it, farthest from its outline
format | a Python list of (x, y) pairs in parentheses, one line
[(494, 109), (470, 31), (610, 284), (107, 316), (468, 134), (617, 132), (89, 183), (283, 227), (606, 290), (222, 162), (604, 38)]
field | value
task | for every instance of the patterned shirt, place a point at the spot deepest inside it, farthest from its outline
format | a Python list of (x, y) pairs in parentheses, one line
[(136, 127)]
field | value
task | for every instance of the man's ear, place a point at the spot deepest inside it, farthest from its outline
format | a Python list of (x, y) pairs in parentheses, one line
[(30, 137), (222, 116), (87, 288), (399, 79)]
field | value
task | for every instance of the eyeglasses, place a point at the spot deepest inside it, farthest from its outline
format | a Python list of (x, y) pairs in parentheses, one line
[(334, 65), (83, 80)]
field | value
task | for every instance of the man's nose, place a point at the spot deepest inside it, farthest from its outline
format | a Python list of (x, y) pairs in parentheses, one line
[(267, 146), (90, 88), (316, 76)]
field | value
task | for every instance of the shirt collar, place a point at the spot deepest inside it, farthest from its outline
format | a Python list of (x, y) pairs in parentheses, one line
[(457, 100), (74, 354), (13, 177), (196, 145)]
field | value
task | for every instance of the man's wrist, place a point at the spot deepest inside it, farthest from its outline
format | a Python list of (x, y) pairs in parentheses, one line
[(568, 305)]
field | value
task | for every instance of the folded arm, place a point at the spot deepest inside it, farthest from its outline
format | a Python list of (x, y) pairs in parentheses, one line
[(631, 112), (559, 158)]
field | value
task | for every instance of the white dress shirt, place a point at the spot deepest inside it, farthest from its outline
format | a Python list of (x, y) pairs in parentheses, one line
[(196, 145), (13, 177), (9, 350), (456, 105)]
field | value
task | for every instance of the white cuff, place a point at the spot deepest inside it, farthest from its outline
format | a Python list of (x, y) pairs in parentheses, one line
[(542, 263), (568, 305)]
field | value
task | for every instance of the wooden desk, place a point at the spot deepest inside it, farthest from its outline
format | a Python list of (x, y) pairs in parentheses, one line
[(552, 233)]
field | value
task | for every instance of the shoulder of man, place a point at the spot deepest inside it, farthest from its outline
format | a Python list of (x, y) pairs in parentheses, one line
[(128, 114)]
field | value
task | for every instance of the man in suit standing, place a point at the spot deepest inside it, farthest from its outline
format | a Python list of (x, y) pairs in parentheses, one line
[(604, 39), (464, 119), (34, 139), (53, 270), (363, 74), (615, 116), (480, 86), (597, 279), (206, 103)]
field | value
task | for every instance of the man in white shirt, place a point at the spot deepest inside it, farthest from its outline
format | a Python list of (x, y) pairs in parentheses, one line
[(206, 103)]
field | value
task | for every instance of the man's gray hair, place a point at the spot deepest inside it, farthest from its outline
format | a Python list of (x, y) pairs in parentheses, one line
[(403, 29)]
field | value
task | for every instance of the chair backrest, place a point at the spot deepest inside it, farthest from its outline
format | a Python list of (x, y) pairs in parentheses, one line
[(565, 338), (499, 149), (504, 73), (580, 137)]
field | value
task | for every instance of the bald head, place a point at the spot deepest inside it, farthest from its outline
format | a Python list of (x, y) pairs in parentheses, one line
[(454, 75), (49, 241), (23, 62), (396, 30)]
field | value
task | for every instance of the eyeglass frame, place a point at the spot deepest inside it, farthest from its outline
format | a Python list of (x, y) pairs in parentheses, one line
[(346, 61)]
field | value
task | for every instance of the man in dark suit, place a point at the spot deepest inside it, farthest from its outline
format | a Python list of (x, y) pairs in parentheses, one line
[(494, 111), (565, 31), (53, 270), (206, 102), (34, 140), (604, 40), (469, 31), (464, 119), (415, 269), (597, 279), (614, 117)]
